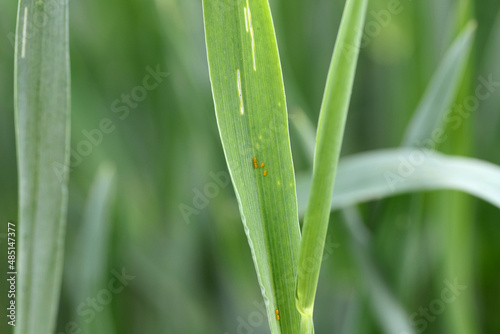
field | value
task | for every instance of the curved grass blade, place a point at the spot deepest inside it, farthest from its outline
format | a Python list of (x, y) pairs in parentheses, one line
[(249, 99), (441, 91), (426, 129), (42, 104), (392, 172), (328, 143)]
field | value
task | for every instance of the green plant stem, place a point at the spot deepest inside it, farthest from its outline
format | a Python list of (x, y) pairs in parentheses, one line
[(328, 144)]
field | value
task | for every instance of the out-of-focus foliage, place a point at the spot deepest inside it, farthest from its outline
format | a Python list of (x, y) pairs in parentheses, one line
[(176, 239)]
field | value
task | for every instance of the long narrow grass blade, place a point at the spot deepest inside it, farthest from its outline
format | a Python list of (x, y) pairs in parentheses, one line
[(92, 248), (396, 171), (443, 88), (251, 114), (328, 143), (42, 101), (391, 315), (488, 125)]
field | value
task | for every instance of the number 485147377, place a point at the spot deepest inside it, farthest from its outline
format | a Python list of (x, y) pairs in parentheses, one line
[(11, 241)]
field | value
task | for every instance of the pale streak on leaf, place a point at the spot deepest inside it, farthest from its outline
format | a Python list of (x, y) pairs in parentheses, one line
[(242, 108), (25, 23), (250, 27)]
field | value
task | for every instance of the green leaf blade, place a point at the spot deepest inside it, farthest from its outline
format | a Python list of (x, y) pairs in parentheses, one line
[(251, 114), (389, 312), (42, 104), (441, 91), (392, 172), (328, 144), (92, 246)]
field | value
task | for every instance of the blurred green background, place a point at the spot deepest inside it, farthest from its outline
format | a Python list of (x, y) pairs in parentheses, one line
[(191, 263)]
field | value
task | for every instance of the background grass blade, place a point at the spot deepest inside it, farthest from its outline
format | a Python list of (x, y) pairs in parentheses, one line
[(452, 83), (332, 119), (251, 114), (391, 173), (488, 117), (201, 268), (92, 247), (441, 91), (458, 225), (42, 101), (391, 315)]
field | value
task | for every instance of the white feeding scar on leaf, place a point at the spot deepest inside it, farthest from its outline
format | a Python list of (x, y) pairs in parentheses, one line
[(242, 110), (250, 27), (25, 23), (253, 49), (246, 18)]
